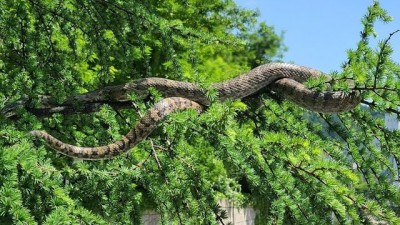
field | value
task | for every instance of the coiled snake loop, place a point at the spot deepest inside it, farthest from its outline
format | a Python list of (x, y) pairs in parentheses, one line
[(284, 78)]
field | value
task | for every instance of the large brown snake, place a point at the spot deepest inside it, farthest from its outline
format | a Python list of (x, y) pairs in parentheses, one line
[(285, 78)]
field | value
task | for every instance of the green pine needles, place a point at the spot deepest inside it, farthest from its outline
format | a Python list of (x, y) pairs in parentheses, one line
[(293, 166)]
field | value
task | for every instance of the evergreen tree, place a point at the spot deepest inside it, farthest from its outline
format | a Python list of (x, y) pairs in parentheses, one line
[(267, 155)]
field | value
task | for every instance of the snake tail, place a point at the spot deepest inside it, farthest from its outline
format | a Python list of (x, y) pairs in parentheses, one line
[(140, 131)]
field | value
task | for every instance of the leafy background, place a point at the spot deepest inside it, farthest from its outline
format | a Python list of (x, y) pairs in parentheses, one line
[(263, 153)]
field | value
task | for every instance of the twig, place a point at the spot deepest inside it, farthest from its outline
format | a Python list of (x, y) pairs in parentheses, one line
[(373, 104), (154, 153), (381, 57)]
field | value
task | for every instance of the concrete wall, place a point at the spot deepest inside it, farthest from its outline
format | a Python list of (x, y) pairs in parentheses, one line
[(392, 122), (151, 218), (236, 215)]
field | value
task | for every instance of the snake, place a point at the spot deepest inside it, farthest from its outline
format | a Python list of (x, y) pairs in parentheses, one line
[(284, 78)]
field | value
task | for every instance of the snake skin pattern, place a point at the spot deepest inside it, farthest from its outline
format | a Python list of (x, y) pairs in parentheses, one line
[(285, 79)]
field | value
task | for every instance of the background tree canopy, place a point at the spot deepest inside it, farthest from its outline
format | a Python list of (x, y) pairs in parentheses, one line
[(294, 166)]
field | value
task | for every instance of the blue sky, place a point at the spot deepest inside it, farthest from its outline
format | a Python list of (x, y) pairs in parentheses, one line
[(318, 33)]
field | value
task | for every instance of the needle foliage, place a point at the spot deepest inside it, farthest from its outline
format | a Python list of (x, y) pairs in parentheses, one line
[(292, 165)]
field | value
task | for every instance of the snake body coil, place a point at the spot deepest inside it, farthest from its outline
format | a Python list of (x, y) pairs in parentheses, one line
[(284, 78)]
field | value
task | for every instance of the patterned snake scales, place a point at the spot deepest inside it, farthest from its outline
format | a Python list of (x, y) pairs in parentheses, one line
[(284, 78)]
